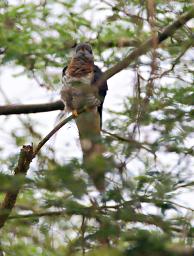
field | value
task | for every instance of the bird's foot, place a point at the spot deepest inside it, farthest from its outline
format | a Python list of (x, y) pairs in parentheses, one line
[(74, 113)]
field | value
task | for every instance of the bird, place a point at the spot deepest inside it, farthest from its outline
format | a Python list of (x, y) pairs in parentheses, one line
[(79, 91)]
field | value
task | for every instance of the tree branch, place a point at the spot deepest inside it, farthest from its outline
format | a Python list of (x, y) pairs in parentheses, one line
[(145, 47), (134, 55), (121, 42), (51, 133), (26, 155), (31, 108), (137, 144), (25, 158)]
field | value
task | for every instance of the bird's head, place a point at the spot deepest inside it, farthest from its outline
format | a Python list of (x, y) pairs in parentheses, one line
[(84, 51)]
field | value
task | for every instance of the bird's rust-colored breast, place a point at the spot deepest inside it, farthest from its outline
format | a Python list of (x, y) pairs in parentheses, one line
[(78, 69)]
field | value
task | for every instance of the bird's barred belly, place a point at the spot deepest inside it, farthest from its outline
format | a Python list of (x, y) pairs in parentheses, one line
[(81, 94), (69, 81)]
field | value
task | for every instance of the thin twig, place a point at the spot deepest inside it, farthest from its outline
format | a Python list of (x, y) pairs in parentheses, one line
[(54, 130), (37, 215), (175, 62), (128, 140)]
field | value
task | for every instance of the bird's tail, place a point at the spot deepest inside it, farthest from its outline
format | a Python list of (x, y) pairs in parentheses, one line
[(88, 124)]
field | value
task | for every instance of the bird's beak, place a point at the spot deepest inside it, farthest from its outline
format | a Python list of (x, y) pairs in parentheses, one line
[(83, 52), (87, 55)]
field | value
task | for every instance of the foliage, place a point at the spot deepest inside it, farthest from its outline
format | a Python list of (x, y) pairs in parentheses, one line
[(58, 211)]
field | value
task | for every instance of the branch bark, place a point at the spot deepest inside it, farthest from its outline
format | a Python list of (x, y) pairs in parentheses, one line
[(31, 108), (25, 158), (134, 55)]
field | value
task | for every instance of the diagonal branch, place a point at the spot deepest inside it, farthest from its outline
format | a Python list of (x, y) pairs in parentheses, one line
[(134, 55), (145, 47), (26, 156), (54, 130)]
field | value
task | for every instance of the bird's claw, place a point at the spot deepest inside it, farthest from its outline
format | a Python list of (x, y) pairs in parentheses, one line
[(74, 113)]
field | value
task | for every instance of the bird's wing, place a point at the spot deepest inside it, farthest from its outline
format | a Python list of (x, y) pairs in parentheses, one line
[(101, 91), (64, 75), (63, 72)]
